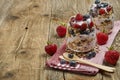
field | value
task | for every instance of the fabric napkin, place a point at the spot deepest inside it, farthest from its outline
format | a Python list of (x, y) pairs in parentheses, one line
[(54, 61)]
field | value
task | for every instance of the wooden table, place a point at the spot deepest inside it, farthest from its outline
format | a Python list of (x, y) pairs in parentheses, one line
[(26, 26)]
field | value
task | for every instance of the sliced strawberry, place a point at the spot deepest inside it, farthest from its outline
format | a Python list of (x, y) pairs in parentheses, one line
[(79, 17), (101, 11), (83, 26)]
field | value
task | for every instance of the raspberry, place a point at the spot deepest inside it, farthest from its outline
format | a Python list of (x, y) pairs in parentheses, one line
[(101, 11), (79, 17)]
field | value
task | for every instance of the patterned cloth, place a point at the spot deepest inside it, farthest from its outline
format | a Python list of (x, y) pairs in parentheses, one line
[(54, 61)]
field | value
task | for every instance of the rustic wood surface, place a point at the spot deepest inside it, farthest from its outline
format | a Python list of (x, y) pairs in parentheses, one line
[(26, 26)]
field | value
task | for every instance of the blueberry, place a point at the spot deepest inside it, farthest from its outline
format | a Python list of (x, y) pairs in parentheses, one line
[(72, 63), (71, 31), (62, 61), (93, 54), (99, 6), (97, 1), (85, 32), (105, 4), (86, 17), (70, 55), (90, 55)]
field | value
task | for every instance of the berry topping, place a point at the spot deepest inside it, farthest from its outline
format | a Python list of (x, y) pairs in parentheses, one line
[(91, 24), (102, 38), (50, 48), (85, 17), (72, 63), (79, 17), (83, 26), (90, 55), (105, 4), (99, 6), (61, 31), (101, 11), (71, 31), (109, 8), (112, 57), (70, 55), (85, 32), (62, 61), (97, 1), (76, 26)]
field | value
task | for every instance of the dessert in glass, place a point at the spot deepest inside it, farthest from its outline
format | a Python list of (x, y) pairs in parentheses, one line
[(102, 12), (81, 34)]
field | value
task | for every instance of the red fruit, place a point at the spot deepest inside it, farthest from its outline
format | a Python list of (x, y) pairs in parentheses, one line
[(91, 24), (102, 38), (83, 26), (109, 8), (50, 49), (79, 17), (61, 31), (112, 57), (77, 26), (101, 11)]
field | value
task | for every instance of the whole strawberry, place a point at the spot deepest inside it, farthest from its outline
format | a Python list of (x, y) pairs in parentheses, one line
[(50, 48), (61, 31), (102, 38), (112, 57)]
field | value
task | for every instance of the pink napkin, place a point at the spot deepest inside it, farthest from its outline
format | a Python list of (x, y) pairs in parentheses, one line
[(54, 61)]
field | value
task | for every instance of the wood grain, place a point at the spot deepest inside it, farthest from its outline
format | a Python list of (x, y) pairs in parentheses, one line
[(25, 28)]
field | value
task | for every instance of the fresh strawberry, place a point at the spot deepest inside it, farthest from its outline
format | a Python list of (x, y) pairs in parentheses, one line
[(91, 24), (102, 38), (77, 26), (109, 8), (79, 17), (101, 11), (51, 48), (83, 26), (112, 57), (61, 31)]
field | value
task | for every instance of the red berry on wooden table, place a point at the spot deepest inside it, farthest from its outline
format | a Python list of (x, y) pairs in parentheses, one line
[(50, 48), (101, 11), (79, 17), (102, 38), (61, 31), (112, 57)]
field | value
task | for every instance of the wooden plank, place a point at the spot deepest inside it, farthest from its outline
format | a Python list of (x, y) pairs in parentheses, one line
[(23, 50)]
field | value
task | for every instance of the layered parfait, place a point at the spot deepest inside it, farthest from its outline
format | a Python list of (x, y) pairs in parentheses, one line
[(81, 34), (103, 16)]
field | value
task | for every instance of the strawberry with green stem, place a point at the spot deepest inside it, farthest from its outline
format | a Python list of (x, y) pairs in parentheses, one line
[(50, 48), (61, 30), (112, 56)]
